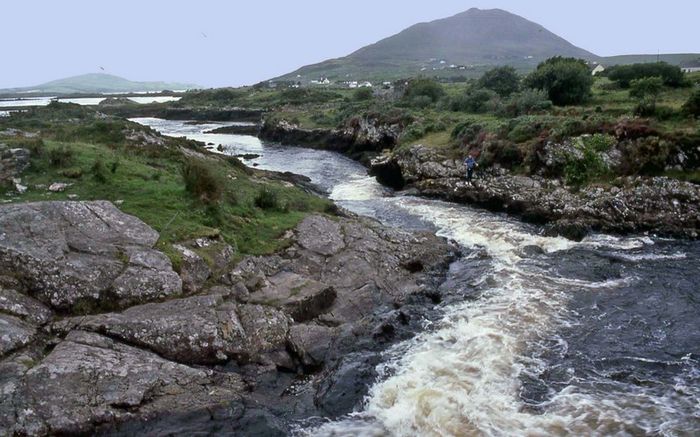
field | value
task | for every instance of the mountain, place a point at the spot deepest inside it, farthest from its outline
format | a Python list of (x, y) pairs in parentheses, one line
[(465, 42), (98, 83)]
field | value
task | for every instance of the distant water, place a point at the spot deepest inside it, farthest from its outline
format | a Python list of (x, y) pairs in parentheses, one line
[(43, 101), (595, 338)]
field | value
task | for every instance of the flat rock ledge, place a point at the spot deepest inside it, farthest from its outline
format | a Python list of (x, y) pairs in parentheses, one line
[(97, 337)]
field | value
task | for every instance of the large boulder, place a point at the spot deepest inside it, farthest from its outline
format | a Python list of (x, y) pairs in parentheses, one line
[(75, 256), (89, 380), (301, 297)]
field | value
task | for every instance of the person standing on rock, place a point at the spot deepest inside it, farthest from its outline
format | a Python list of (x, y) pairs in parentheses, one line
[(471, 164)]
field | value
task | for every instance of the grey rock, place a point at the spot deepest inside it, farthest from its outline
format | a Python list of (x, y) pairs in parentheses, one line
[(301, 297), (266, 331), (194, 271), (88, 380), (72, 252), (311, 342), (320, 235), (194, 330), (24, 307), (14, 334)]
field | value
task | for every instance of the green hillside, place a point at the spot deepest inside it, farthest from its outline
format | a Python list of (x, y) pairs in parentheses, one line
[(99, 83)]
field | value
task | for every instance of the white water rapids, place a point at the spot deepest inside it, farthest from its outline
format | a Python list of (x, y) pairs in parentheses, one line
[(463, 375)]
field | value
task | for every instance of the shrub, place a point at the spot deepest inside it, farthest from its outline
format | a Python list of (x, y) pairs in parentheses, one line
[(60, 156), (298, 96), (99, 171), (267, 198), (73, 173), (580, 170), (363, 94), (644, 156), (474, 101), (567, 81), (424, 87), (624, 75), (201, 181), (526, 102), (420, 102), (692, 106), (504, 153), (504, 81), (599, 142)]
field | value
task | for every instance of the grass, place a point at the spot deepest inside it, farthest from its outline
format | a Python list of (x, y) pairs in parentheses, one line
[(151, 186)]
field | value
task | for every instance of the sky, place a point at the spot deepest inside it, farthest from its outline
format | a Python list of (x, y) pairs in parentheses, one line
[(230, 43)]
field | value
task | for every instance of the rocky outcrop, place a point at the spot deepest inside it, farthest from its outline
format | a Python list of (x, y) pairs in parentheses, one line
[(267, 341), (89, 380), (78, 256), (13, 161), (359, 138), (237, 129), (630, 204)]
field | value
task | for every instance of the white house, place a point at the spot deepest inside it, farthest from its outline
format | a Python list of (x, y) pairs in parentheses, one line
[(691, 67), (598, 69), (352, 84), (366, 85)]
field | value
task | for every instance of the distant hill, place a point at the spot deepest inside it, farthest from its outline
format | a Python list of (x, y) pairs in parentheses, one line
[(454, 45), (466, 44), (671, 58), (98, 83)]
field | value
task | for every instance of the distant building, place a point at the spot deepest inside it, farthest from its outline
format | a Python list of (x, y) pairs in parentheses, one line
[(597, 69), (691, 67), (352, 84), (366, 85)]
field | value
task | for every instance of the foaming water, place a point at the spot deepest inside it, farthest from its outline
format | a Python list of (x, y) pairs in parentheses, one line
[(592, 338)]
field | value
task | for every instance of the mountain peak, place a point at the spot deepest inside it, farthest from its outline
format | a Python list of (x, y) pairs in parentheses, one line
[(469, 41)]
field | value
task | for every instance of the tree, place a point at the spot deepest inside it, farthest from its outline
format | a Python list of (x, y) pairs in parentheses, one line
[(424, 87), (624, 75), (503, 80), (567, 81)]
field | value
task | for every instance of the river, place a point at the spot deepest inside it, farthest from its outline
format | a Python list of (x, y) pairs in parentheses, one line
[(554, 337)]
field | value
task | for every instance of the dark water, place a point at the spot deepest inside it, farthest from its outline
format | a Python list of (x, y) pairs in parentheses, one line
[(600, 337)]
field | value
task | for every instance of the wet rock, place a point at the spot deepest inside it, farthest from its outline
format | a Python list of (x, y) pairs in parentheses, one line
[(311, 343), (73, 253), (89, 380), (194, 271), (632, 204)]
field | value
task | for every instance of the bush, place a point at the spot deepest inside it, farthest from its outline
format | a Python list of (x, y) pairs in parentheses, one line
[(298, 96), (60, 156), (363, 94), (504, 153), (504, 81), (474, 101), (567, 81), (201, 181), (267, 198), (692, 106), (420, 102), (424, 87), (644, 156), (526, 102), (670, 75), (99, 171), (580, 170)]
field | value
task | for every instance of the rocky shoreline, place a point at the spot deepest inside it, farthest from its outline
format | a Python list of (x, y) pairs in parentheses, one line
[(659, 205), (360, 139), (103, 335)]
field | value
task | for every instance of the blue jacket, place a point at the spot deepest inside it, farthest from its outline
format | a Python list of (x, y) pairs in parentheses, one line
[(470, 162)]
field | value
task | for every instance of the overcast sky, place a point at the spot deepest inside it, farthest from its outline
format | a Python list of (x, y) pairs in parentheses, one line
[(218, 43)]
